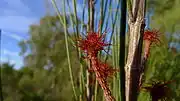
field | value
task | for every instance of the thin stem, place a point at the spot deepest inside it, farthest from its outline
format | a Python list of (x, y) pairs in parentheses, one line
[(109, 11), (81, 87), (117, 63), (122, 49), (76, 19), (95, 94), (1, 93), (129, 6), (102, 82), (67, 50), (91, 15), (90, 29), (113, 26), (82, 69), (66, 43), (99, 54), (56, 8), (114, 65)]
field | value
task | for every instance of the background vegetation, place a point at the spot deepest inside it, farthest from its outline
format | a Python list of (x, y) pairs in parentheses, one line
[(53, 72)]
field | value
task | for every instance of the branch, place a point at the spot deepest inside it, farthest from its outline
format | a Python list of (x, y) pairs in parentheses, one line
[(129, 7), (91, 15), (136, 29), (135, 9)]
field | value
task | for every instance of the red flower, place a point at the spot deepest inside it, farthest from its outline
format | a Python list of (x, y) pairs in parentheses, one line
[(104, 69), (158, 90), (150, 36), (93, 43)]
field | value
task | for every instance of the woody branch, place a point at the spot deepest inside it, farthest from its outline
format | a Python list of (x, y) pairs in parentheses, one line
[(136, 12)]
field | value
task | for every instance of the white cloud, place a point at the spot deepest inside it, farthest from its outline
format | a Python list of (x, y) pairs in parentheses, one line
[(16, 6), (9, 53), (16, 23), (12, 35), (15, 16)]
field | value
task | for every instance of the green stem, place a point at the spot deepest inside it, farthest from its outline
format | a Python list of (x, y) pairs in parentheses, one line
[(56, 8), (66, 43), (114, 65), (113, 27), (95, 94)]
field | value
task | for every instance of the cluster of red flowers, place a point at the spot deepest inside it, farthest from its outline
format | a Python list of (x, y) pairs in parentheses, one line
[(91, 45)]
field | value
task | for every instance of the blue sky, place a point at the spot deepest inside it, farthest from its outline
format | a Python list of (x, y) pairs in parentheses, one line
[(15, 18)]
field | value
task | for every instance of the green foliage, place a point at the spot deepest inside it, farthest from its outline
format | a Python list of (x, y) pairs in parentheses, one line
[(165, 15), (163, 62), (165, 67), (29, 84), (45, 76)]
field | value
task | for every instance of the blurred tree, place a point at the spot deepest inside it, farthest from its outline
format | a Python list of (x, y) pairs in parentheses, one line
[(9, 82), (166, 17), (44, 52), (45, 44)]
